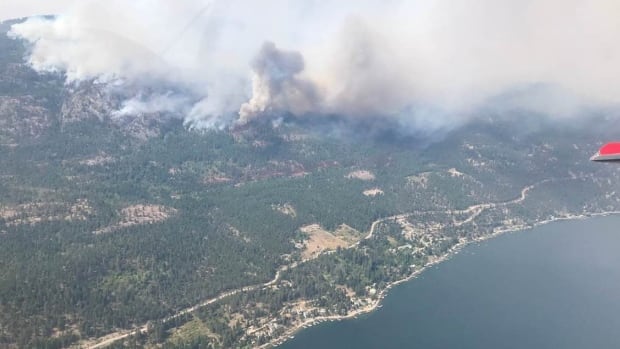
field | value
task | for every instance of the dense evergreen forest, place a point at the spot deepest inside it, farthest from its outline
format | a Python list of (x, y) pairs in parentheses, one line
[(101, 231)]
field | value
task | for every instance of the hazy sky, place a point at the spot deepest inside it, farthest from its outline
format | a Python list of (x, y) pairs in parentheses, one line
[(22, 8), (357, 58)]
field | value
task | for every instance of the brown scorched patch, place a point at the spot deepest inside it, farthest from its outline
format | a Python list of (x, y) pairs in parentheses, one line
[(41, 212), (139, 215)]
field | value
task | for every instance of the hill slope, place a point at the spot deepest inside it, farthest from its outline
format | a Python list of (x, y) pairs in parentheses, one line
[(107, 223)]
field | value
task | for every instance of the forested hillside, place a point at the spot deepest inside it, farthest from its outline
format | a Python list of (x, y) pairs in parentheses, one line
[(108, 224)]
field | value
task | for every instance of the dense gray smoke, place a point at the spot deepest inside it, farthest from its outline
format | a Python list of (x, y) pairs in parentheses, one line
[(427, 64), (276, 86)]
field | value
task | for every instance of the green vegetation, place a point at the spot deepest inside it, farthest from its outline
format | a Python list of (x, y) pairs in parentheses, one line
[(100, 231)]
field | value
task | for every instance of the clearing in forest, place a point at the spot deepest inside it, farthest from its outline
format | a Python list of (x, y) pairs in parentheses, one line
[(361, 175), (373, 192), (320, 240), (140, 215)]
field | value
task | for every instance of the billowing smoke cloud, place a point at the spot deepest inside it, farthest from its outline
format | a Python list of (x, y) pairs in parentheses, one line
[(82, 52), (425, 64), (153, 103), (276, 87)]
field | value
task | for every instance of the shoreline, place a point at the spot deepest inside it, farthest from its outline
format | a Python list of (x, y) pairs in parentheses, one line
[(288, 334), (475, 210)]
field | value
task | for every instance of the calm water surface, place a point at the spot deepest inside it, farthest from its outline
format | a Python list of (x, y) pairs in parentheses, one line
[(555, 286)]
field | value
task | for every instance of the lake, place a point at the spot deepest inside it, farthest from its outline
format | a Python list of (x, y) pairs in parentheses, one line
[(554, 286)]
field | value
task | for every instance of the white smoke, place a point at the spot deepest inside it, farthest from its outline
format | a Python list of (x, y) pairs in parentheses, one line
[(276, 87), (11, 9), (152, 103), (364, 58)]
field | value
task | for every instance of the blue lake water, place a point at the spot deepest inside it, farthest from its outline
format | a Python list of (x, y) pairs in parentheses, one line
[(554, 286)]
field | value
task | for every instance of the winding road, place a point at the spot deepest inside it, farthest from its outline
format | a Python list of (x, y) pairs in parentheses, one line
[(116, 336), (475, 211)]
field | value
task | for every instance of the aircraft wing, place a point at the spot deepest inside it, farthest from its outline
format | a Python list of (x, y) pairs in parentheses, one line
[(609, 152)]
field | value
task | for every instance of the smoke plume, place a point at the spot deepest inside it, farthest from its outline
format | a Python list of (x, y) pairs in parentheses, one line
[(276, 87), (425, 64)]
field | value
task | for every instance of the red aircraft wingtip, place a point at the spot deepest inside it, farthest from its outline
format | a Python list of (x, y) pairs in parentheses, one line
[(608, 152)]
